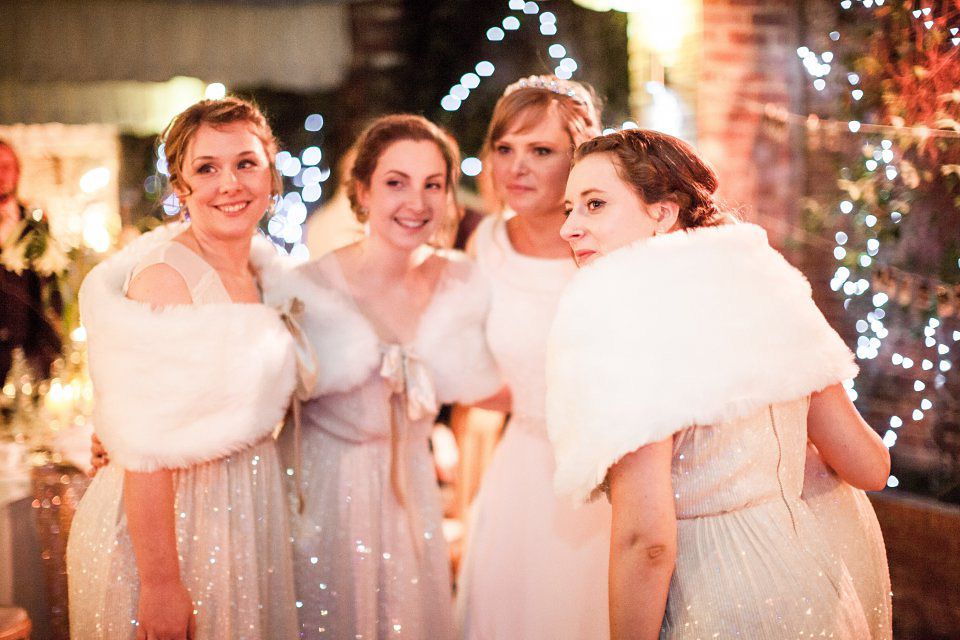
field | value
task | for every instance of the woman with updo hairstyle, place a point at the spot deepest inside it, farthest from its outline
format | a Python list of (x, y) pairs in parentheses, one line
[(397, 324), (534, 567), (184, 534), (687, 368)]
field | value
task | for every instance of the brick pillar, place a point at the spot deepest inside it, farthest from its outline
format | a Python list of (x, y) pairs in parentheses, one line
[(748, 61)]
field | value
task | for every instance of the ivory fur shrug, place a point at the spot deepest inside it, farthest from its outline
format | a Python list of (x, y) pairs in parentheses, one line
[(450, 339), (674, 331), (184, 384)]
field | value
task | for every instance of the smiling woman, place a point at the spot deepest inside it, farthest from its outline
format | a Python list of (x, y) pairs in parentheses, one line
[(184, 534), (404, 335)]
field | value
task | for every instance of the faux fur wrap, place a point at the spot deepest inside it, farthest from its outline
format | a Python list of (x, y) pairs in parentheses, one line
[(450, 339), (184, 384), (679, 330)]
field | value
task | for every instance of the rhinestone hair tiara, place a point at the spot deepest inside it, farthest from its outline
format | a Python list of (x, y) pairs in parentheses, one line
[(548, 83)]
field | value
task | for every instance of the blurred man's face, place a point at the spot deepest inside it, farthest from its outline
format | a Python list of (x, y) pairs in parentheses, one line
[(9, 172)]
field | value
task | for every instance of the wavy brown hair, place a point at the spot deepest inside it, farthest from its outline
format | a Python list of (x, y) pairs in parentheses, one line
[(661, 167), (384, 131)]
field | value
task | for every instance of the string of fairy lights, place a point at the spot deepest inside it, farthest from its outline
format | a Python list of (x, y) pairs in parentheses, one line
[(521, 9), (935, 360), (286, 222)]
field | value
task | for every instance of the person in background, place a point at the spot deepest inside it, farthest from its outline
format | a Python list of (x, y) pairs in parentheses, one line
[(26, 297), (334, 225)]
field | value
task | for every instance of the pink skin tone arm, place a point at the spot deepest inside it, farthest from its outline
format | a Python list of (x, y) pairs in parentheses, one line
[(845, 441), (643, 541)]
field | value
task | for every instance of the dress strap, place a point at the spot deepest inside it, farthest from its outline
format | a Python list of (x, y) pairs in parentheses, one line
[(202, 280)]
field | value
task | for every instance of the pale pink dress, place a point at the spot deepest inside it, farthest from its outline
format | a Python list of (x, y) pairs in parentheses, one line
[(233, 541), (366, 566), (535, 566), (850, 525)]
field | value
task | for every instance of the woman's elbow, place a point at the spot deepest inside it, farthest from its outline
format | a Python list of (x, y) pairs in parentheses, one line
[(647, 552), (878, 478)]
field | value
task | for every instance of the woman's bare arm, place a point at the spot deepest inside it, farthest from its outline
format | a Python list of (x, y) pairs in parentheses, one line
[(845, 441), (165, 609), (643, 541)]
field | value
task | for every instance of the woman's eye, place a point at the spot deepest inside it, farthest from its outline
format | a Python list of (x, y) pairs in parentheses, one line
[(567, 211), (502, 149), (246, 164), (393, 183), (435, 186), (594, 203), (542, 151), (205, 168)]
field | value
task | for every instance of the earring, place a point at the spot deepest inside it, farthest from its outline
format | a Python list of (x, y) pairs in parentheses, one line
[(184, 214), (363, 214)]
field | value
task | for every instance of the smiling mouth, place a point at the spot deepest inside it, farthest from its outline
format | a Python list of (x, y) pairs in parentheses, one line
[(411, 223), (233, 207)]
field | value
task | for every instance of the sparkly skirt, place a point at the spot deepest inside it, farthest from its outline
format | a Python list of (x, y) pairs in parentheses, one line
[(762, 571), (233, 544), (360, 572), (850, 525)]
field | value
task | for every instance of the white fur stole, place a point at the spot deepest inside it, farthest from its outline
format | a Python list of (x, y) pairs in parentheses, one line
[(450, 339), (679, 330), (184, 384), (344, 345)]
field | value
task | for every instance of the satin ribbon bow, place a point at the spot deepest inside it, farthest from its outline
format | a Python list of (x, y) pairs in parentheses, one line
[(412, 398), (290, 312), (409, 378)]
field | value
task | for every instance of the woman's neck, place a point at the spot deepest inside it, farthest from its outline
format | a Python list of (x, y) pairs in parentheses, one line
[(230, 256), (381, 263), (538, 235)]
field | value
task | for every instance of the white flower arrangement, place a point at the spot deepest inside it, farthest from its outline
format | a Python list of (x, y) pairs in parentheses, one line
[(30, 245)]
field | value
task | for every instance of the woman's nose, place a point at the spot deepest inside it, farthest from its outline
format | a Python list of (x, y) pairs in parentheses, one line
[(571, 229), (228, 180), (519, 163), (416, 199)]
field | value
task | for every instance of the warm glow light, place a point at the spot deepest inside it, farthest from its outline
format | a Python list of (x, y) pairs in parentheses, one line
[(94, 180), (215, 91), (95, 233)]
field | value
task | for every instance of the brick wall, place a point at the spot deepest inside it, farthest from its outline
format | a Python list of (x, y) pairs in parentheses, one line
[(748, 61)]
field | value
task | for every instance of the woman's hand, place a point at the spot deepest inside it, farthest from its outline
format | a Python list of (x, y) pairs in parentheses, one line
[(98, 455), (165, 612)]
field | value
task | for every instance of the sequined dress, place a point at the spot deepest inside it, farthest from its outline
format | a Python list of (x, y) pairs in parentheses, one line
[(535, 566), (231, 528), (367, 566), (752, 561), (851, 527)]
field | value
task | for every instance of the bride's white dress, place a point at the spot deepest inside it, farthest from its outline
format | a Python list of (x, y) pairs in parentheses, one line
[(535, 566)]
